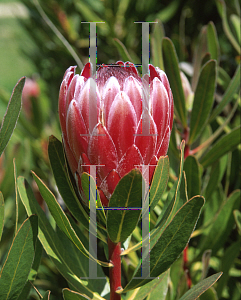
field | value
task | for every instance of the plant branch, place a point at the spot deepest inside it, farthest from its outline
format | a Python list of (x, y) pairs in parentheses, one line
[(115, 272)]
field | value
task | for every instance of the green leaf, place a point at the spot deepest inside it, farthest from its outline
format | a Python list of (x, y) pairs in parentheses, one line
[(61, 254), (127, 194), (157, 286), (156, 44), (17, 266), (122, 50), (212, 38), (46, 295), (59, 167), (237, 217), (1, 214), (201, 287), (11, 115), (89, 186), (168, 11), (159, 181), (225, 144), (222, 8), (33, 273), (173, 74), (227, 261), (72, 295), (191, 168), (171, 243), (236, 22), (228, 95), (209, 294), (222, 225), (61, 218), (172, 204), (203, 100)]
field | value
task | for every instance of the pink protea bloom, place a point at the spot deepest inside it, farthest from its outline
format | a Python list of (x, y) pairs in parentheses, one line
[(116, 144)]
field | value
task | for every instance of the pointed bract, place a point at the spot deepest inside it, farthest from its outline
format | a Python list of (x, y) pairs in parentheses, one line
[(115, 122)]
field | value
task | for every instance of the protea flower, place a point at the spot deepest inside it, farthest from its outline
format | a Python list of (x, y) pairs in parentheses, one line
[(115, 143)]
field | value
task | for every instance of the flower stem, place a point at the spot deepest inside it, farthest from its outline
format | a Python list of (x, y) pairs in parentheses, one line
[(186, 268), (115, 272)]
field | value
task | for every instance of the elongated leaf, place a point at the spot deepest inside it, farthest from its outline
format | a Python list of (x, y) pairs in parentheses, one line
[(60, 217), (222, 8), (200, 52), (191, 169), (227, 261), (156, 44), (173, 74), (158, 285), (11, 115), (159, 181), (237, 217), (89, 186), (222, 225), (122, 50), (128, 194), (1, 214), (33, 273), (17, 266), (201, 287), (72, 295), (212, 38), (58, 164), (171, 243), (229, 94), (225, 144), (236, 22), (172, 204), (203, 100), (67, 264)]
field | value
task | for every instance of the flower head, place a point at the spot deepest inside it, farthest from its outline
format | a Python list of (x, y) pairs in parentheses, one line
[(102, 121)]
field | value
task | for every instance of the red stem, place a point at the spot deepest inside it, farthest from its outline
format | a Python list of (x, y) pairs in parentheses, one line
[(115, 272), (186, 268)]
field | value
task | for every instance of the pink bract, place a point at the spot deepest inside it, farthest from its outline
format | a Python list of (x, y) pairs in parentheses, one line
[(111, 138)]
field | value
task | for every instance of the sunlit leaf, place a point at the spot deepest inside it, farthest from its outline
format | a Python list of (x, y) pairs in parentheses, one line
[(201, 287), (61, 254), (72, 295), (61, 218), (157, 289), (11, 115), (17, 266), (58, 164), (33, 273), (159, 181)]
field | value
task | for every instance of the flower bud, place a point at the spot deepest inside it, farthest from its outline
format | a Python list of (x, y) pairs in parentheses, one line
[(102, 121)]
